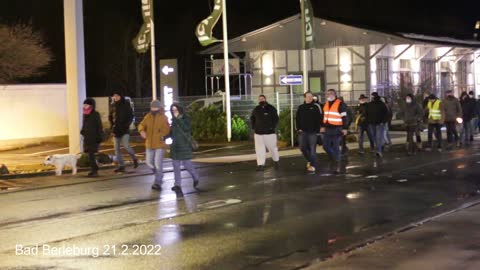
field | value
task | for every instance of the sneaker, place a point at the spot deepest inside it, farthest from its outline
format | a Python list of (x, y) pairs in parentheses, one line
[(260, 168), (308, 165), (311, 169), (177, 189), (156, 187), (135, 163), (378, 154), (119, 170)]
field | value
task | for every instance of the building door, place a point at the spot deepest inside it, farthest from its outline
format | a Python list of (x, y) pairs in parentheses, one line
[(316, 84)]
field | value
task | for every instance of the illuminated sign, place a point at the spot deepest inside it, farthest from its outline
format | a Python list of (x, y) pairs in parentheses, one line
[(166, 70)]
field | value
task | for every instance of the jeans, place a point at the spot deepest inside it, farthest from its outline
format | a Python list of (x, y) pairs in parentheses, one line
[(451, 131), (155, 162), (361, 132), (118, 152), (438, 134), (308, 145), (188, 165), (331, 142), (386, 136), (378, 132), (466, 132)]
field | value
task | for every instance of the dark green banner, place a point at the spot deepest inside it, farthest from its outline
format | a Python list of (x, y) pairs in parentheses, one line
[(143, 39), (205, 27), (308, 21)]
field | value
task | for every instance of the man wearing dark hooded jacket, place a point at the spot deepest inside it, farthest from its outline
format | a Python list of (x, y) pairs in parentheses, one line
[(412, 118), (121, 117), (452, 111), (377, 118), (264, 120), (308, 125), (468, 111)]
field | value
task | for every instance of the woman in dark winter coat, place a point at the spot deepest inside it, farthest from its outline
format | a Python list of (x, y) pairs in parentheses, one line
[(181, 147), (92, 132)]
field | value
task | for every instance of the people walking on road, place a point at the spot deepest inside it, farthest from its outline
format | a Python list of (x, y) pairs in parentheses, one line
[(452, 111), (264, 120), (377, 118), (468, 113), (412, 118), (308, 120), (181, 150), (92, 132), (121, 117), (386, 131), (334, 127), (362, 125), (153, 128), (436, 116)]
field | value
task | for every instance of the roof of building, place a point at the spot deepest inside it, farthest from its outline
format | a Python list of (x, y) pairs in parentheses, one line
[(286, 35)]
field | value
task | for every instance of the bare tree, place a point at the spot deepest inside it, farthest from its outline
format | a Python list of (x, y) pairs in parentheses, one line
[(23, 53)]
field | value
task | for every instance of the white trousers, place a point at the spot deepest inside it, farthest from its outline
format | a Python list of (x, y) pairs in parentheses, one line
[(264, 142)]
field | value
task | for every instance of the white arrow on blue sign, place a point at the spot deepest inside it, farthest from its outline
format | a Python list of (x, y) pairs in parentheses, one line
[(291, 79)]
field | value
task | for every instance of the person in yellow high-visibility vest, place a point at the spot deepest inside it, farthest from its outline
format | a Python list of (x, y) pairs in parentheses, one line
[(435, 121)]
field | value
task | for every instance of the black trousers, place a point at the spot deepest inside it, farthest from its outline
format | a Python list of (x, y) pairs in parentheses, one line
[(451, 131), (438, 134), (92, 161)]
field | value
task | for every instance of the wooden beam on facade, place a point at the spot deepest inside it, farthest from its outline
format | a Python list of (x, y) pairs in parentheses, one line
[(404, 51), (378, 51), (445, 54)]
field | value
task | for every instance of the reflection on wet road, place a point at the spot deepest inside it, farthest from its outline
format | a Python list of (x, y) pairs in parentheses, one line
[(239, 219)]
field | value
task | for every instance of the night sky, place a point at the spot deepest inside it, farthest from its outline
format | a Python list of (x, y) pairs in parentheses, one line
[(110, 25)]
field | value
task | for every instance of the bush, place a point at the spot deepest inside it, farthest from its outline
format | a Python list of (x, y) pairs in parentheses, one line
[(209, 124), (240, 129), (284, 126)]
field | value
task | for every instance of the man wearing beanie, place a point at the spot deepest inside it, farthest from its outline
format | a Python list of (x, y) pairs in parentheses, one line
[(121, 117), (153, 129), (92, 132)]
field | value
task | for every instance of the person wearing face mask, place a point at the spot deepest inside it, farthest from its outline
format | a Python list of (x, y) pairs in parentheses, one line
[(309, 117), (334, 127), (362, 125), (92, 132), (181, 147), (468, 111), (412, 117), (264, 120), (452, 111), (377, 118), (153, 128)]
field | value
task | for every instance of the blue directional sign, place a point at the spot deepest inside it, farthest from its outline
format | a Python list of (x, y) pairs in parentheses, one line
[(291, 79)]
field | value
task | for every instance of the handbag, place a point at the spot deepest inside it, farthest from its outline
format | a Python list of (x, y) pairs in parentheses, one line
[(193, 142)]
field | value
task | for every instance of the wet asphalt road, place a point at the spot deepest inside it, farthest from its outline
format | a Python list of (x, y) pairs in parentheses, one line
[(240, 219)]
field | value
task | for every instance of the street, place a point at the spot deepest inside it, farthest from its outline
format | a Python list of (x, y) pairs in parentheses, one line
[(238, 219)]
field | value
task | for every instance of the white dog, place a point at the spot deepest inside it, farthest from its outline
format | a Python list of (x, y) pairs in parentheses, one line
[(59, 161)]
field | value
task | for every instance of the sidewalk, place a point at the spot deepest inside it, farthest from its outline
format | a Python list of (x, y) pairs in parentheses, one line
[(449, 241)]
